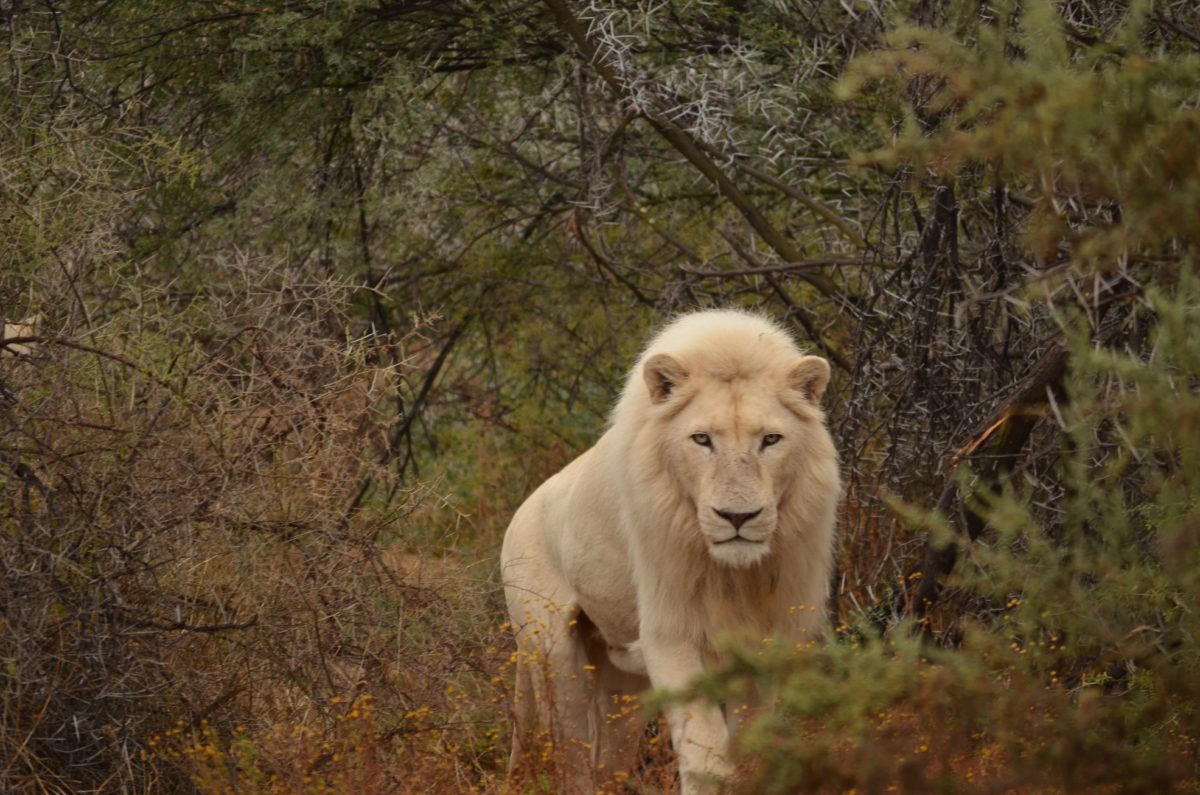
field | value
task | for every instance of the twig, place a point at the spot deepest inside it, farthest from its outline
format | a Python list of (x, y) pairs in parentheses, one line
[(794, 310), (431, 376), (183, 626), (575, 228), (783, 267), (816, 206), (1176, 28)]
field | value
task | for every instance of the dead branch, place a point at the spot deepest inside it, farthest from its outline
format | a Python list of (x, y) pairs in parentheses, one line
[(995, 450), (783, 267)]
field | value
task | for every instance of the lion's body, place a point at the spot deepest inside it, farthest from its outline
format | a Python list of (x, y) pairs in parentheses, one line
[(706, 511)]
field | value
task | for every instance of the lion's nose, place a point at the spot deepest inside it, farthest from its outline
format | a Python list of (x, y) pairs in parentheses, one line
[(737, 519)]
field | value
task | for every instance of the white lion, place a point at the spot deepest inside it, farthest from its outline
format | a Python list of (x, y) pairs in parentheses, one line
[(706, 511)]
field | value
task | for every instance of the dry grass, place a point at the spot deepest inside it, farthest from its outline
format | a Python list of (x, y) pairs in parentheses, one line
[(198, 526)]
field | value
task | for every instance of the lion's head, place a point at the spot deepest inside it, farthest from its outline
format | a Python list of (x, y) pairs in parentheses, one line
[(735, 411)]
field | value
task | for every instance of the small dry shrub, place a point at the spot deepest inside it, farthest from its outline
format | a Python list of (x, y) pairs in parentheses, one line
[(196, 503)]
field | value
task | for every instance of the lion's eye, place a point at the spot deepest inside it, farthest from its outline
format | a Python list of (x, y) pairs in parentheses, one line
[(771, 438), (702, 439)]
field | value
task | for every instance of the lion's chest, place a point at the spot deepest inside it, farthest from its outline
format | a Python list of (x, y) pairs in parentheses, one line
[(737, 605)]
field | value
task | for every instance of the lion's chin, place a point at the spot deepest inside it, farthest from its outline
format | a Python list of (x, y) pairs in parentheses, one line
[(739, 553)]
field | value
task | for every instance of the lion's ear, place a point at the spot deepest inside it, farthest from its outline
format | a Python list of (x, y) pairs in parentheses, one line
[(809, 377), (663, 374)]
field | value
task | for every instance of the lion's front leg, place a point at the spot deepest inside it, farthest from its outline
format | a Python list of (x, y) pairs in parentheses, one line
[(698, 729), (552, 683)]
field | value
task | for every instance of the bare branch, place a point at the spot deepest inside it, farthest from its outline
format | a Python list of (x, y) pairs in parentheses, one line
[(690, 149), (783, 267)]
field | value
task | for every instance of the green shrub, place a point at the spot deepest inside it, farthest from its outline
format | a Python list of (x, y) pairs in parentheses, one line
[(1082, 671), (1065, 659)]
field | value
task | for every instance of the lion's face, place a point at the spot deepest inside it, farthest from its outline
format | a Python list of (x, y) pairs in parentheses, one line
[(736, 445)]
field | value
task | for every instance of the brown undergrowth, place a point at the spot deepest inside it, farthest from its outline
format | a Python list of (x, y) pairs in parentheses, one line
[(202, 538), (213, 581)]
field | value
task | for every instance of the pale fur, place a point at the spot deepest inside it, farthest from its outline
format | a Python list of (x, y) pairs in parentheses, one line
[(620, 573), (18, 330)]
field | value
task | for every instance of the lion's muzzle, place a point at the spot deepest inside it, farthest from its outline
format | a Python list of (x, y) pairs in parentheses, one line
[(736, 519)]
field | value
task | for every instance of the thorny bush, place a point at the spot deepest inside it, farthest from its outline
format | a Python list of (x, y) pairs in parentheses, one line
[(194, 514)]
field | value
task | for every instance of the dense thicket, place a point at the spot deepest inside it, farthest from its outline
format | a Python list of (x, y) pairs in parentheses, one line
[(292, 267)]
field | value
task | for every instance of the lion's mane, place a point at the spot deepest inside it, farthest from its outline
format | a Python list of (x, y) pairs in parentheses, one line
[(795, 577)]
